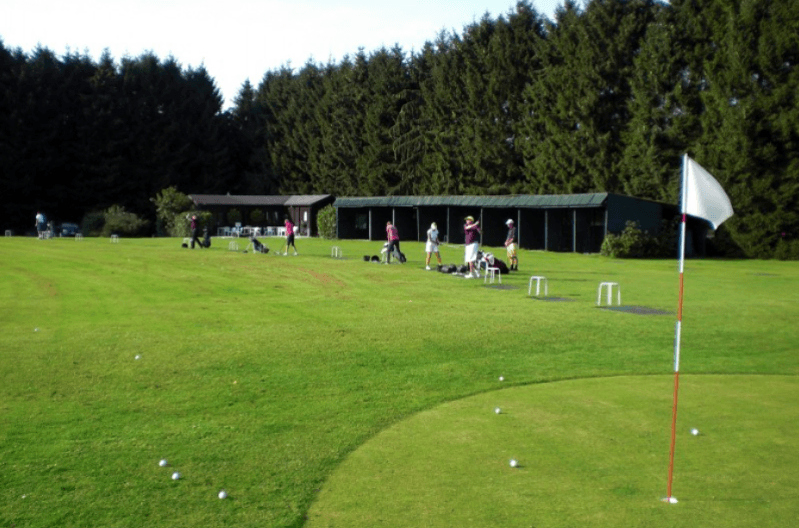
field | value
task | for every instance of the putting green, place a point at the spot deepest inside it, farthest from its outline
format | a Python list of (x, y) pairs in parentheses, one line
[(591, 452)]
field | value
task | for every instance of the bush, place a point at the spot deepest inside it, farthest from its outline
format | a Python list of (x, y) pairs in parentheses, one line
[(257, 217), (326, 222), (92, 224), (233, 216), (182, 222), (170, 207), (787, 250), (635, 243), (118, 221)]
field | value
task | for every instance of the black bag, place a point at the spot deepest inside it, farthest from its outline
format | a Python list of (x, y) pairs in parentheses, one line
[(258, 247), (402, 258)]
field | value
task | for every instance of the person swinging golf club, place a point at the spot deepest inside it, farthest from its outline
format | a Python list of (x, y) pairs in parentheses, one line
[(471, 236), (290, 237)]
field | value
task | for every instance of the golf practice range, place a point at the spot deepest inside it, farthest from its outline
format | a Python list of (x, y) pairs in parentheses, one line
[(142, 384)]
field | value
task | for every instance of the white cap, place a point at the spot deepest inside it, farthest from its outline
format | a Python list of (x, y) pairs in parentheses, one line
[(509, 222), (433, 226)]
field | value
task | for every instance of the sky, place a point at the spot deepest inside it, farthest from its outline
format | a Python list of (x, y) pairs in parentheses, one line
[(236, 40)]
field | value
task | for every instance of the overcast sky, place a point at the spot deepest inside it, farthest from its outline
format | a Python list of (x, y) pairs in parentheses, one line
[(238, 40)]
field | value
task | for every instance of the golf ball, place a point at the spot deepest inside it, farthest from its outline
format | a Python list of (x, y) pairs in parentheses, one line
[(163, 463), (222, 494), (498, 410), (694, 432), (175, 475), (513, 462), (138, 356), (501, 378)]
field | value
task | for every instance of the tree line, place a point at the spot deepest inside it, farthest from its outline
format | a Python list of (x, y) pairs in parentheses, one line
[(603, 98)]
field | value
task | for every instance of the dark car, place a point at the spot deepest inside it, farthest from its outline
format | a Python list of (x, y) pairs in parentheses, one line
[(67, 230)]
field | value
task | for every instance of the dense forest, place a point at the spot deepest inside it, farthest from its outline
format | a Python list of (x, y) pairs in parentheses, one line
[(605, 97)]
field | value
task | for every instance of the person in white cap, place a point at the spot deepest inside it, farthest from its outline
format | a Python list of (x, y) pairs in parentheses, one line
[(432, 245), (510, 246)]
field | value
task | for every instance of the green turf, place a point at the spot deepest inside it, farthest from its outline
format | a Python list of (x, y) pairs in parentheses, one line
[(590, 453), (261, 374)]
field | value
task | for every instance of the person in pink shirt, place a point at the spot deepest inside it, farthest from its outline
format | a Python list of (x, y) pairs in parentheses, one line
[(393, 240), (290, 237)]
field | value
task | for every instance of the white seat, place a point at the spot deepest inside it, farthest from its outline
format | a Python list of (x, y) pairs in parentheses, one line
[(492, 272), (538, 279), (609, 286)]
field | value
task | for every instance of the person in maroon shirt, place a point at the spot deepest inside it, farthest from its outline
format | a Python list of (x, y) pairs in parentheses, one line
[(471, 233), (195, 232), (393, 240)]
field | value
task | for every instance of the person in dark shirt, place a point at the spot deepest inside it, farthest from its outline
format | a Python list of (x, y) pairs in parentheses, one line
[(471, 237), (195, 232)]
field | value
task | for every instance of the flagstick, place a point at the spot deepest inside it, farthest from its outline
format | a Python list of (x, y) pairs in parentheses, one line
[(677, 334)]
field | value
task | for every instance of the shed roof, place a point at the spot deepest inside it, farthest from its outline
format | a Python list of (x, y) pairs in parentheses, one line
[(547, 201), (257, 200)]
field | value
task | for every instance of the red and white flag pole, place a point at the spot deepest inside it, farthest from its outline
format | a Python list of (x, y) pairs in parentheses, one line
[(677, 335), (702, 196)]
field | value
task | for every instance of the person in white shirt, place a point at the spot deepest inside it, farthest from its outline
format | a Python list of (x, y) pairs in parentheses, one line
[(41, 224), (432, 245)]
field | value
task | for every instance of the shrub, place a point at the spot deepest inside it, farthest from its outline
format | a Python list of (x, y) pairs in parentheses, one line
[(233, 216), (182, 222), (257, 217), (121, 222), (170, 206), (635, 243), (92, 223), (787, 250), (326, 222)]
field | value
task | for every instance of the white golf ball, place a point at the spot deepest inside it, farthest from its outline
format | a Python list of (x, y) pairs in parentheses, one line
[(501, 378), (694, 432), (35, 329), (138, 356), (175, 475), (498, 410), (513, 462), (222, 494), (163, 463)]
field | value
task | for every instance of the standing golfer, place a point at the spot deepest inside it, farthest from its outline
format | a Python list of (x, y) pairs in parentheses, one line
[(290, 237), (393, 240), (432, 245), (510, 246), (41, 224), (195, 232), (471, 235)]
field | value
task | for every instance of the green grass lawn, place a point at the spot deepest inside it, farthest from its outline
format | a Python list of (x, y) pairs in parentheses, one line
[(271, 377)]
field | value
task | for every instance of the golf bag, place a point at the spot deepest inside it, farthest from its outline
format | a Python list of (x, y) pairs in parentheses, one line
[(206, 238), (257, 247), (487, 260)]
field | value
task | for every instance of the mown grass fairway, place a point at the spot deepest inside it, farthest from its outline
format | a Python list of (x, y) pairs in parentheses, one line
[(261, 375)]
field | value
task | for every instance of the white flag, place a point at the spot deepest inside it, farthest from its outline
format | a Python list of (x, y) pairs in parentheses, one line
[(703, 195)]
